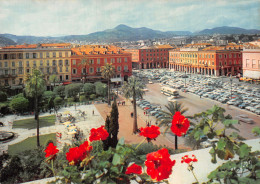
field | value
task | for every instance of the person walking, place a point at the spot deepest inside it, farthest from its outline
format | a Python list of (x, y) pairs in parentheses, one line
[(93, 112)]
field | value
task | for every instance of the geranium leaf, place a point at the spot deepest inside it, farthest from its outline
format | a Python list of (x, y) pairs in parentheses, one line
[(221, 144), (116, 159), (244, 150)]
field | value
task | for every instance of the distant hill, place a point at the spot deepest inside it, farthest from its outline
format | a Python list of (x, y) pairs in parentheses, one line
[(125, 33), (6, 41), (227, 30)]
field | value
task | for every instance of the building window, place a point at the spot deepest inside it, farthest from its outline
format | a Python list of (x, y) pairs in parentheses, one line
[(66, 54), (6, 64), (48, 70), (54, 54), (60, 54), (48, 62), (34, 63), (92, 61), (67, 77), (126, 68), (28, 70), (119, 68), (67, 69), (91, 70), (61, 78), (118, 60), (41, 55), (254, 63), (34, 55), (20, 71), (13, 64), (47, 54), (66, 62), (220, 56), (98, 61), (41, 62), (60, 62), (74, 62), (13, 71), (13, 81), (54, 63), (27, 55), (20, 80), (60, 69), (105, 61), (247, 63), (125, 60), (27, 63), (98, 69), (74, 71)]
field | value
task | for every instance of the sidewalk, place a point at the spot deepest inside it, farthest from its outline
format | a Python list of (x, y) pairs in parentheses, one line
[(126, 124)]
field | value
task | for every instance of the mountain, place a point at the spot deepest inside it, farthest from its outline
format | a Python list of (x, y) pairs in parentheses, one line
[(125, 33), (227, 30), (6, 41)]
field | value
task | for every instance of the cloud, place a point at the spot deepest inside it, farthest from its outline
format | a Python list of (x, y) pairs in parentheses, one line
[(64, 17)]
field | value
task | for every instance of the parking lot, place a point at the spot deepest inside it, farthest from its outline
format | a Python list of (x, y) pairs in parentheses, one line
[(201, 93)]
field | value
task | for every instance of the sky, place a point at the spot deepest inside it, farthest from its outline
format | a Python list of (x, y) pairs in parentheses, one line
[(79, 17)]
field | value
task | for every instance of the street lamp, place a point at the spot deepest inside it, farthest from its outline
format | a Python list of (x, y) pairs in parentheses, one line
[(231, 86)]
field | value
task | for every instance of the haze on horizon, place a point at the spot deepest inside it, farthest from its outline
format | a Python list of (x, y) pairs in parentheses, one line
[(78, 17)]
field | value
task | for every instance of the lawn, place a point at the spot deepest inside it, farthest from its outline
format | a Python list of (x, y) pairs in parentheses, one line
[(31, 143), (31, 123)]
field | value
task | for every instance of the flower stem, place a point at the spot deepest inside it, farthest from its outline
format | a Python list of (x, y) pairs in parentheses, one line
[(52, 167), (140, 144), (195, 176)]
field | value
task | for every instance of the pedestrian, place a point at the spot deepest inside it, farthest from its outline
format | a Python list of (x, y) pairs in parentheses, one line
[(93, 112), (200, 96), (118, 103), (144, 112)]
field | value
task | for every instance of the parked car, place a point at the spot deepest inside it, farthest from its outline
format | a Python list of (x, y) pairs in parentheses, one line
[(245, 119)]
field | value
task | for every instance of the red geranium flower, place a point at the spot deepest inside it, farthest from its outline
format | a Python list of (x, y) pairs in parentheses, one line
[(77, 154), (51, 150), (150, 132), (134, 169), (159, 165), (97, 134), (188, 160), (180, 124)]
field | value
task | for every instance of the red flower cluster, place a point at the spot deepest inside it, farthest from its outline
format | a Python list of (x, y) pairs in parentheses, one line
[(77, 154), (97, 134), (51, 151), (150, 132), (159, 165), (180, 124), (188, 160), (134, 169)]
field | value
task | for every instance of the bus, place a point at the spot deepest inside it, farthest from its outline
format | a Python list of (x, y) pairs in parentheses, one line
[(168, 91)]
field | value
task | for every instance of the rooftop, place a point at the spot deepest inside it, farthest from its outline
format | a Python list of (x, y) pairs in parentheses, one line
[(97, 50), (34, 46)]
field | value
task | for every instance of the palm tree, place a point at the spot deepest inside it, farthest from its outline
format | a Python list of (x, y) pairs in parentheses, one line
[(133, 89), (166, 119), (108, 71), (34, 87), (53, 79)]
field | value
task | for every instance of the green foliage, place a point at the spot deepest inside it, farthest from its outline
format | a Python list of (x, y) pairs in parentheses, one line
[(114, 126), (19, 104), (92, 96), (213, 123), (89, 88), (58, 101), (18, 95), (101, 89), (256, 131), (72, 90), (82, 98), (3, 96), (59, 91), (70, 100), (106, 143), (48, 100), (4, 107)]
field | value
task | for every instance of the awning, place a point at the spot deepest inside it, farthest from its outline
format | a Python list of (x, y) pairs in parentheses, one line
[(116, 80), (66, 83), (17, 87)]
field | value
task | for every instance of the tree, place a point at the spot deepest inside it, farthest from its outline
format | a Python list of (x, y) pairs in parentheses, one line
[(108, 140), (19, 104), (89, 88), (60, 91), (47, 100), (53, 79), (114, 126), (58, 101), (35, 87), (133, 89), (3, 96), (166, 119), (72, 90), (101, 89), (108, 71)]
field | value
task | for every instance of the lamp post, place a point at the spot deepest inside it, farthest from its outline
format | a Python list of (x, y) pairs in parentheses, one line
[(231, 86), (185, 78)]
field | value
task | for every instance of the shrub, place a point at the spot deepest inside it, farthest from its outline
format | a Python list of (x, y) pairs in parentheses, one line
[(58, 101), (19, 104), (59, 91), (3, 96), (72, 90), (70, 100), (101, 88), (89, 88), (92, 96), (82, 98)]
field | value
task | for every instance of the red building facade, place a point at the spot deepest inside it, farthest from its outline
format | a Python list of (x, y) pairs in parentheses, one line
[(150, 57), (87, 60), (210, 60)]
